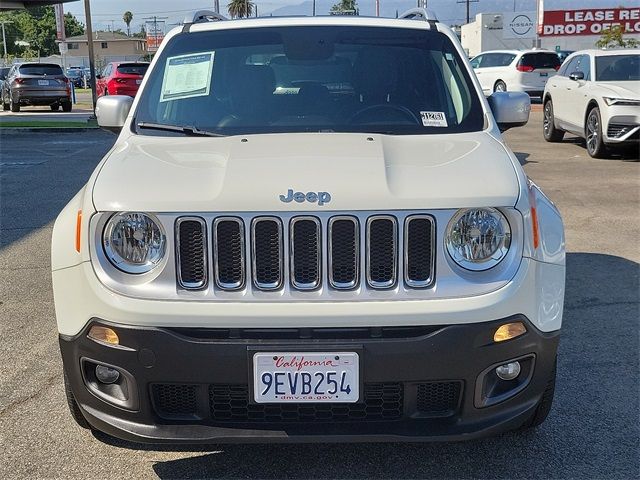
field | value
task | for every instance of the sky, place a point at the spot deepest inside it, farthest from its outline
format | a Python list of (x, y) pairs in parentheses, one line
[(107, 14)]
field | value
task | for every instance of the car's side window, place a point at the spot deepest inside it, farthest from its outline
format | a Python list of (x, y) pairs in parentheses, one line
[(585, 66), (571, 66), (477, 61)]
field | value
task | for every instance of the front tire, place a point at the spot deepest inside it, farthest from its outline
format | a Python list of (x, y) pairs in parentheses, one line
[(593, 134), (544, 405), (549, 130), (500, 86), (74, 409)]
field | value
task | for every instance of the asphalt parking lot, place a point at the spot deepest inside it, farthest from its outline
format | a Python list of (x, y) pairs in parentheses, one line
[(592, 431)]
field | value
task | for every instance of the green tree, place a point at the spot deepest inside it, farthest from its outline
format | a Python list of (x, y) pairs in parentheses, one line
[(35, 29), (128, 17), (614, 37), (345, 7), (240, 8), (142, 33)]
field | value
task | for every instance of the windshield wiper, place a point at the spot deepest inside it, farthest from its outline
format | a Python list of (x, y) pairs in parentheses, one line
[(176, 128)]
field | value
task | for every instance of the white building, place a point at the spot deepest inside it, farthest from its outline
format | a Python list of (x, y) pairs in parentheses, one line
[(517, 30)]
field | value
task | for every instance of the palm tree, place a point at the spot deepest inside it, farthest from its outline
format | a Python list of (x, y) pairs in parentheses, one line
[(240, 8), (128, 17)]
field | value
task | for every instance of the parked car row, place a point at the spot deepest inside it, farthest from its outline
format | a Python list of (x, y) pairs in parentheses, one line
[(594, 94), (33, 84)]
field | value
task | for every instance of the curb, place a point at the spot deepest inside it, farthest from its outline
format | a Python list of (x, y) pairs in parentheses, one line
[(46, 129)]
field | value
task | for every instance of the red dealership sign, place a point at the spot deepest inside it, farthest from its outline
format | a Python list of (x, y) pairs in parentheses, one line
[(589, 22)]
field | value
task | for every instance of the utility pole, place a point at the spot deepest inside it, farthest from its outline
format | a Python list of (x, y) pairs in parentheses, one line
[(4, 40), (92, 63), (377, 8), (216, 6), (314, 8), (468, 2), (155, 20)]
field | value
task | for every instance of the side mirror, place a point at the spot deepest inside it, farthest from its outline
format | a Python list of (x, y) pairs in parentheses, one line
[(510, 109), (575, 76), (112, 111), (98, 77)]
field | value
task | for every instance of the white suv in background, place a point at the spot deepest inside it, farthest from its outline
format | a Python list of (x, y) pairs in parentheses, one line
[(516, 71), (595, 95)]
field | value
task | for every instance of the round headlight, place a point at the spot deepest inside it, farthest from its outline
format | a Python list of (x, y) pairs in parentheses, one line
[(134, 242), (478, 238)]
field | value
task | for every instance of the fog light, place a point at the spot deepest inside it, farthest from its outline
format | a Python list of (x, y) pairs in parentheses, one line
[(111, 375), (509, 331), (103, 335), (508, 371)]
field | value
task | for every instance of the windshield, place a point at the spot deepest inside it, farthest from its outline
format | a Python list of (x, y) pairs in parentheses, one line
[(41, 69), (618, 68), (305, 79), (133, 68)]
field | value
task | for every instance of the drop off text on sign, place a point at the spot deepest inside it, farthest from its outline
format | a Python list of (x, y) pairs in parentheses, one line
[(590, 22)]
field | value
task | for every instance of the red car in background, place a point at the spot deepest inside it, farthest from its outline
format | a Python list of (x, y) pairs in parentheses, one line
[(121, 78)]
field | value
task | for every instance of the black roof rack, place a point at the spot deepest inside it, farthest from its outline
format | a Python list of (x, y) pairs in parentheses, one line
[(201, 16), (419, 14)]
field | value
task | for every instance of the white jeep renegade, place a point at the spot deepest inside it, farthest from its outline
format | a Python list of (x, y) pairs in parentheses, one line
[(309, 229)]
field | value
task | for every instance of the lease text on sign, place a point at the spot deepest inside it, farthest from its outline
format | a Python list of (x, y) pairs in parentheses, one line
[(590, 22)]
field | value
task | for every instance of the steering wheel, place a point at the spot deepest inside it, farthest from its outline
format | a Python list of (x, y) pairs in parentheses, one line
[(384, 106)]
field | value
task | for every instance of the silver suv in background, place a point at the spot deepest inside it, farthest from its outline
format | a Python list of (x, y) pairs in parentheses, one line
[(30, 84)]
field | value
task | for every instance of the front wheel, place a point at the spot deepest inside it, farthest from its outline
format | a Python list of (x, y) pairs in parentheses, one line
[(544, 405), (500, 86), (74, 409), (549, 130), (593, 133)]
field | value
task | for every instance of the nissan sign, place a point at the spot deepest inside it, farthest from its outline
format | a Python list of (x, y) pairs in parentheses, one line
[(519, 25)]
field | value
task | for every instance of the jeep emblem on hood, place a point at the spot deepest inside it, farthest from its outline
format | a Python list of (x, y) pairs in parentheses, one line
[(320, 197)]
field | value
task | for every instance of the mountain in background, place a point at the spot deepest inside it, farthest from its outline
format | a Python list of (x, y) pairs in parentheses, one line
[(448, 11)]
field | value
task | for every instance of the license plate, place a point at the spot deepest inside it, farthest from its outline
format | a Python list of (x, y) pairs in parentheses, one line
[(138, 82), (43, 82), (306, 377), (544, 74)]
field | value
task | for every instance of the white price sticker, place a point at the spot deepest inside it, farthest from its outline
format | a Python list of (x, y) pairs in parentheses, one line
[(187, 76), (433, 119)]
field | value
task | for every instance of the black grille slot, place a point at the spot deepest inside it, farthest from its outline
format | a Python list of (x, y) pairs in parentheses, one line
[(344, 252), (175, 401), (192, 254), (439, 399), (305, 253), (229, 253), (382, 251), (230, 403), (267, 253), (616, 130), (419, 255)]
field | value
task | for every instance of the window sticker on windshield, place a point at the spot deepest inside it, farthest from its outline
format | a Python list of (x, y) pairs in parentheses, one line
[(187, 76), (433, 119)]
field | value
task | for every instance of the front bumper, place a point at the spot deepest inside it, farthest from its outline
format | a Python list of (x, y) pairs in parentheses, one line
[(421, 383)]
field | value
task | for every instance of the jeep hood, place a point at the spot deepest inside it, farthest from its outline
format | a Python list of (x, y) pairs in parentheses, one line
[(360, 171), (621, 89)]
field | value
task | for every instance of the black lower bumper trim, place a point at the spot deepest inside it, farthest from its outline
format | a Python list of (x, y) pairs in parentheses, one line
[(194, 388)]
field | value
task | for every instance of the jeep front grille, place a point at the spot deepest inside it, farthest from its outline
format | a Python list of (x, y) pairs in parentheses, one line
[(228, 252), (269, 253), (191, 250)]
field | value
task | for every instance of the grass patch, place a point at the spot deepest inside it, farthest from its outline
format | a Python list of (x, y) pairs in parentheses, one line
[(47, 124)]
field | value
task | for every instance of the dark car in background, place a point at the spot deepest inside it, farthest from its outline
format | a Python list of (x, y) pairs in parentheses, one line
[(30, 84), (121, 78), (76, 76), (563, 54)]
